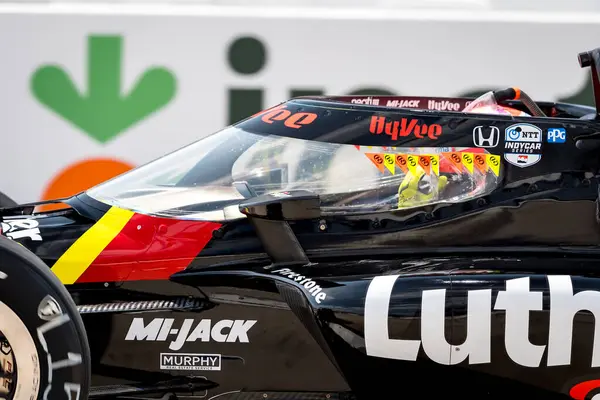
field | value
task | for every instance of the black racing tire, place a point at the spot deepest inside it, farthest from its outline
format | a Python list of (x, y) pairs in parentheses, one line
[(6, 201), (43, 328)]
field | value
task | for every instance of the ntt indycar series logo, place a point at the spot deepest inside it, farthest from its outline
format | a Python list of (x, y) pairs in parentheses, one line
[(523, 145), (523, 138)]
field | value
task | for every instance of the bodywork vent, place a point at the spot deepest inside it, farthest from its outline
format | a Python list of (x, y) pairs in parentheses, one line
[(182, 303)]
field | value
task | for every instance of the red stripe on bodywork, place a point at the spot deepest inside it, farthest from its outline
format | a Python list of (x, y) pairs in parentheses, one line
[(150, 248)]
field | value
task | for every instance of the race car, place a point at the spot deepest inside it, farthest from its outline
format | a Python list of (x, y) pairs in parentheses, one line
[(334, 247)]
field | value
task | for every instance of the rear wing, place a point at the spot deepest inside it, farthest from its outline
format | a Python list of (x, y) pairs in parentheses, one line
[(592, 59)]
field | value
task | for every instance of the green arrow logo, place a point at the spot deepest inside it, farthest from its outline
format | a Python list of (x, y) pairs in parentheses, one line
[(103, 112)]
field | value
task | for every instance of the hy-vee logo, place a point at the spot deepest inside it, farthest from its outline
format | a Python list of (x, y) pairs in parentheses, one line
[(161, 329), (516, 301), (403, 128)]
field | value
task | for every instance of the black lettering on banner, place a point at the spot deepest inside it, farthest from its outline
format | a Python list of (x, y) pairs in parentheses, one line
[(400, 160), (389, 158), (425, 162), (493, 161), (434, 161), (412, 162), (455, 158), (468, 158), (378, 158)]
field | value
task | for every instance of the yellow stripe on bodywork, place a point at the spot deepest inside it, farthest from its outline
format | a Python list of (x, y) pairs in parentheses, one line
[(73, 263)]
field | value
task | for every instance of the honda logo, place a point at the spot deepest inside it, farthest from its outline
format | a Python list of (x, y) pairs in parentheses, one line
[(486, 137)]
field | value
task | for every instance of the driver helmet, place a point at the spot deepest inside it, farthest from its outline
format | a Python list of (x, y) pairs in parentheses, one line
[(452, 184), (498, 110), (487, 104)]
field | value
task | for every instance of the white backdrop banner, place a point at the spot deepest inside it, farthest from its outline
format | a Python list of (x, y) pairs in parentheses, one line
[(87, 92)]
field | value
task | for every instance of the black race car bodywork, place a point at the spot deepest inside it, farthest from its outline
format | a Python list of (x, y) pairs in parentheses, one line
[(309, 294)]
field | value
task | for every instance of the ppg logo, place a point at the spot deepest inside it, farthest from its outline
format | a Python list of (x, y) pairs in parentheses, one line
[(486, 137), (557, 135)]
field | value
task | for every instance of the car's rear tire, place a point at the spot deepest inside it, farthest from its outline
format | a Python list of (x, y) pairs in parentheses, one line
[(41, 329)]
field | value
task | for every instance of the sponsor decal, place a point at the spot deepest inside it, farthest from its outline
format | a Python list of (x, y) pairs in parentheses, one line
[(190, 362), (516, 302), (523, 136), (289, 119), (21, 228), (493, 163), (405, 103), (522, 160), (467, 160), (400, 161), (486, 137), (443, 105), (7, 364), (311, 286), (163, 329), (403, 128), (430, 163), (412, 162), (523, 145), (366, 100), (557, 135), (428, 103)]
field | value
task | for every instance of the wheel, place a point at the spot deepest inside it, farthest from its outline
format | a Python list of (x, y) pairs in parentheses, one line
[(44, 353), (6, 201)]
